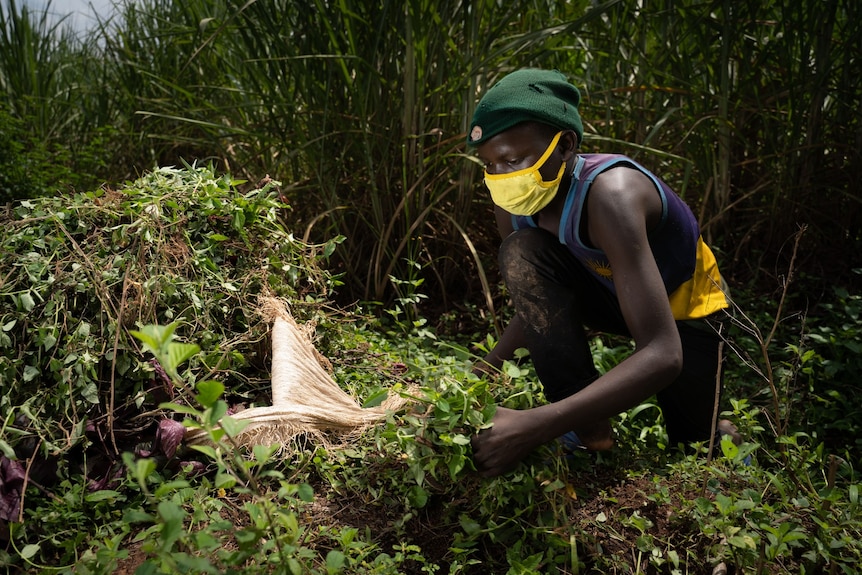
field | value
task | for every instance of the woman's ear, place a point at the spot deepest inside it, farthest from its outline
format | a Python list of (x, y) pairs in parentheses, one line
[(568, 144)]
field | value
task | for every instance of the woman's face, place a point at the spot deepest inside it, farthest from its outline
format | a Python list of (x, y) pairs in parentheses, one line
[(521, 146)]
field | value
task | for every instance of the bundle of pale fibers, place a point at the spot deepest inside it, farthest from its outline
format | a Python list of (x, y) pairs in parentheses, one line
[(306, 400)]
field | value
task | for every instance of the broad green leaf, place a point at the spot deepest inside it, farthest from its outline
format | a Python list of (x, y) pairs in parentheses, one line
[(179, 353), (206, 542), (729, 448), (29, 551), (334, 561), (554, 485), (512, 370), (7, 450), (376, 398), (25, 301), (49, 342), (207, 450), (233, 426), (262, 453), (101, 495), (150, 340), (470, 526), (172, 516), (83, 329), (305, 492), (246, 536), (238, 220), (456, 464), (742, 541), (180, 409), (209, 392), (329, 249), (91, 393), (143, 468), (417, 496), (169, 487), (459, 439), (31, 373), (224, 480), (132, 516), (216, 413)]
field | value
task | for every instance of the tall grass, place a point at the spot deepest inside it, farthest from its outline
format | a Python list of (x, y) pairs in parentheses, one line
[(753, 100), (748, 108), (35, 54)]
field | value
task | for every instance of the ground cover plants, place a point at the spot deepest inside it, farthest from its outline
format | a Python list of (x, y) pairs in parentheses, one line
[(127, 311)]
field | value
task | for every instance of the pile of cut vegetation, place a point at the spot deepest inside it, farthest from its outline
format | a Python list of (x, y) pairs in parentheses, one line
[(79, 273)]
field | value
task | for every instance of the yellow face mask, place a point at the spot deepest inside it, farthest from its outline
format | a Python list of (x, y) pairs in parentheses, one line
[(524, 193)]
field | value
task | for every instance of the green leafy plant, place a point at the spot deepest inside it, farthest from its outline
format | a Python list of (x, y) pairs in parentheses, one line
[(271, 532), (81, 272), (404, 496)]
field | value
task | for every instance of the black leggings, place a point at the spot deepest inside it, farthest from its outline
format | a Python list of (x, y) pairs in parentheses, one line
[(557, 299)]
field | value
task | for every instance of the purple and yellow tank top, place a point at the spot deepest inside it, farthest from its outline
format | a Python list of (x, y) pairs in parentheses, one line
[(686, 263)]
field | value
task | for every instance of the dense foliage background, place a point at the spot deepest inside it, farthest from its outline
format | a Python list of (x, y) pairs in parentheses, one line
[(333, 135), (749, 109)]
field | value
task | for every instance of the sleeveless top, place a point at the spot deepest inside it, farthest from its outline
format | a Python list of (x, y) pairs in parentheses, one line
[(687, 265)]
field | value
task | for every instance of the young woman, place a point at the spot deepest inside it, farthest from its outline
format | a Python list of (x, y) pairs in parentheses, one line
[(591, 241)]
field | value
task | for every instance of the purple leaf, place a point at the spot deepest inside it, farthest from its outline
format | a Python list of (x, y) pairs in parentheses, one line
[(12, 476), (169, 436)]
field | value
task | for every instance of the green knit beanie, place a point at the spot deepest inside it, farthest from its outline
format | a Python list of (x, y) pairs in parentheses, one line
[(527, 95)]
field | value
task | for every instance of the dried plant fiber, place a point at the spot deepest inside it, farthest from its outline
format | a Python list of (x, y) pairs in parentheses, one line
[(306, 400)]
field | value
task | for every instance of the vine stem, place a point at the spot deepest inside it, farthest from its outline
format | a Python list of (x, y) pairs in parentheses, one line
[(117, 329), (715, 404), (780, 423)]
